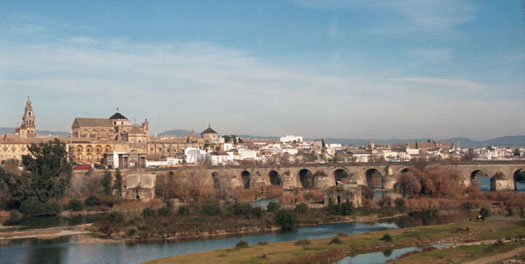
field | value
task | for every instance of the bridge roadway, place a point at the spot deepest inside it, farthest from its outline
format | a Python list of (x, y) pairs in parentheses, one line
[(324, 175)]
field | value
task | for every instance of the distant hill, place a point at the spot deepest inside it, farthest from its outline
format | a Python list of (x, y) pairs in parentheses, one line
[(175, 132), (11, 130), (506, 141)]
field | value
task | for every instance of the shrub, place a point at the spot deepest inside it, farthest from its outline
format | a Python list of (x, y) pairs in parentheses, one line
[(75, 205), (342, 234), (484, 212), (92, 201), (262, 243), (286, 219), (183, 210), (257, 212), (335, 240), (341, 209), (115, 217), (387, 238), (165, 211), (303, 242), (273, 207), (242, 244), (400, 204), (148, 212), (211, 209), (36, 208), (242, 209), (131, 232), (11, 204), (301, 208)]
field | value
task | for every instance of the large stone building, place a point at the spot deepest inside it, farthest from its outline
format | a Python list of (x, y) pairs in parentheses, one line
[(92, 139)]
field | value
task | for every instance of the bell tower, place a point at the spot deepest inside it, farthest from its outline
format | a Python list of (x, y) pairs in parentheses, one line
[(28, 120)]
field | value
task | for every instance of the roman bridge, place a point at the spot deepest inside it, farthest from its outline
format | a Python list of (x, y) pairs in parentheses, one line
[(501, 173)]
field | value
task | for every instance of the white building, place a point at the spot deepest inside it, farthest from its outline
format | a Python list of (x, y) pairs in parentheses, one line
[(194, 155), (169, 162), (291, 139)]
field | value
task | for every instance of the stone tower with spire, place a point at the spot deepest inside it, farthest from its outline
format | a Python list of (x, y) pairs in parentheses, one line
[(27, 129)]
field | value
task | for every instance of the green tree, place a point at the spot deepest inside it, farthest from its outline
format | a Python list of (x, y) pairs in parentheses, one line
[(106, 183), (49, 170), (517, 152), (118, 183), (286, 219), (226, 138)]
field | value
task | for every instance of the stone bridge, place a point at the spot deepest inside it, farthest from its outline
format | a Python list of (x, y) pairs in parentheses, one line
[(502, 174)]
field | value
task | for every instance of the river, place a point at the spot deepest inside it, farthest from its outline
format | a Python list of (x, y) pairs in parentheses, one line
[(67, 250)]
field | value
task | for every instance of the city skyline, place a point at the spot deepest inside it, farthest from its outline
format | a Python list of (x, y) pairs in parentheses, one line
[(353, 69)]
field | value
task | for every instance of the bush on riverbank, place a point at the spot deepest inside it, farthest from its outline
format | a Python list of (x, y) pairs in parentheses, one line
[(341, 209), (286, 219), (37, 208), (75, 205)]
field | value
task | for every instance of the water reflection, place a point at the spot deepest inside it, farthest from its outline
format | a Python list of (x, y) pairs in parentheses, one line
[(382, 257)]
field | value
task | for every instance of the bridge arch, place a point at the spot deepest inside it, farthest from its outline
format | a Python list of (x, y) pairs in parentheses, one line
[(306, 177), (374, 178), (245, 175), (275, 177), (341, 175), (404, 170), (482, 176), (516, 176)]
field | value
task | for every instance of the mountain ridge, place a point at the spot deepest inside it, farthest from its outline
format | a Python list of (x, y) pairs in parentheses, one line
[(506, 141)]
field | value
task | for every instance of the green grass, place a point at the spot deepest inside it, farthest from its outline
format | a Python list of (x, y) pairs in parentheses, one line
[(460, 254)]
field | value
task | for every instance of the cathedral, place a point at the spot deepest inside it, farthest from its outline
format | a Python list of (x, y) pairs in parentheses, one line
[(93, 139)]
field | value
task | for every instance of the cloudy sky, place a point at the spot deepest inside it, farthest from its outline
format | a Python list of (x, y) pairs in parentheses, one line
[(317, 68)]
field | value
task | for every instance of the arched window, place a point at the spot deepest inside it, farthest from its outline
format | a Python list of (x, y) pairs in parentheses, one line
[(99, 149), (108, 149), (88, 156), (80, 149), (89, 149), (79, 157)]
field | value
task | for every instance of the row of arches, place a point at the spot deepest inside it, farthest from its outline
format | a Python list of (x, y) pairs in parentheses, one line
[(307, 178), (97, 148), (375, 177), (487, 182)]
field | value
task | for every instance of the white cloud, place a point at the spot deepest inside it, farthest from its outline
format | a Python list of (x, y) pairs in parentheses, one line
[(407, 16), (432, 55), (442, 83), (187, 85)]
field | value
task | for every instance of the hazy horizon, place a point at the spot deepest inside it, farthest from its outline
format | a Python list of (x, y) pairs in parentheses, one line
[(340, 69)]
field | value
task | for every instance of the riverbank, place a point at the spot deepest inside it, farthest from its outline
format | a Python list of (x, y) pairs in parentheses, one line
[(332, 249), (55, 232), (482, 252), (46, 233)]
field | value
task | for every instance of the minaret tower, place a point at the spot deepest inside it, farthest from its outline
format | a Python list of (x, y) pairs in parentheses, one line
[(28, 120)]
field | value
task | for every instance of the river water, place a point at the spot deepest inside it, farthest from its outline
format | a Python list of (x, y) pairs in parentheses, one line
[(67, 250)]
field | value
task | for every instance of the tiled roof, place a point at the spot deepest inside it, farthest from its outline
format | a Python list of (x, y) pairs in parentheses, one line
[(209, 131), (92, 122), (117, 115)]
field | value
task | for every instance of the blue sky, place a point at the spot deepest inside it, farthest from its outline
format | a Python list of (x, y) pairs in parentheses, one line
[(318, 68)]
